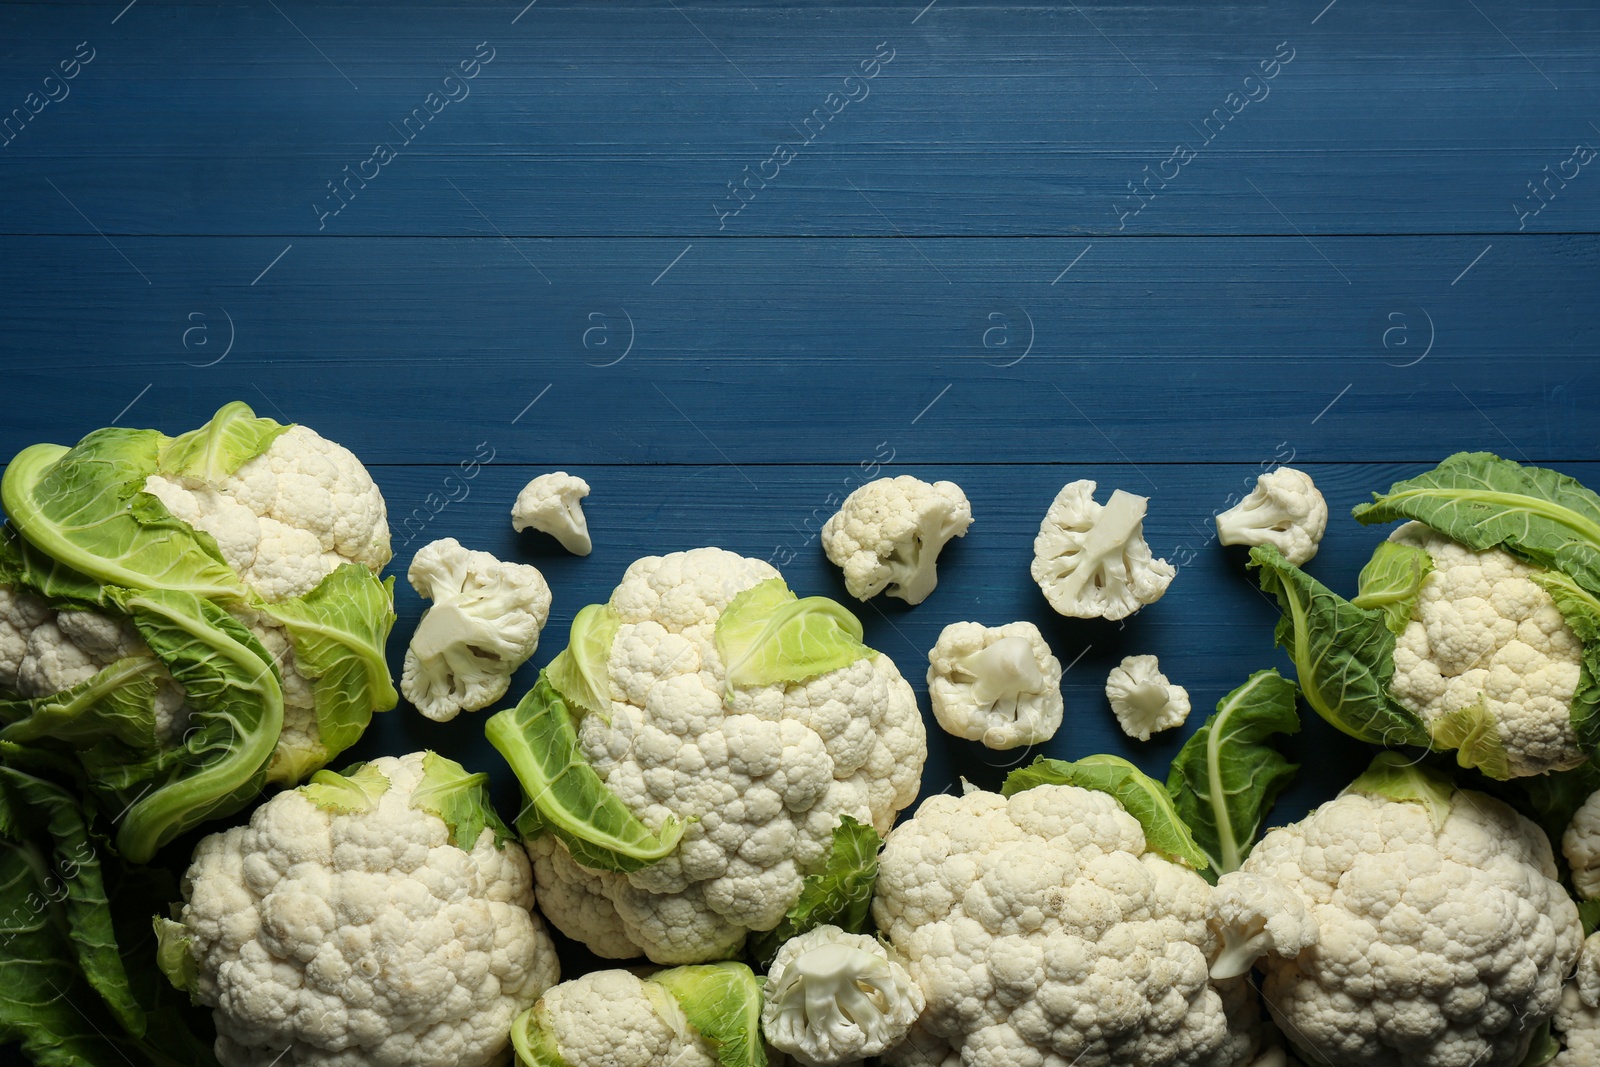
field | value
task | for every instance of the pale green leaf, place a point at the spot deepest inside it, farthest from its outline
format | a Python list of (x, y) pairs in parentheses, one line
[(353, 791), (580, 672), (461, 799), (1391, 582), (723, 1002), (532, 1041), (1474, 734), (767, 635), (233, 437), (1393, 777)]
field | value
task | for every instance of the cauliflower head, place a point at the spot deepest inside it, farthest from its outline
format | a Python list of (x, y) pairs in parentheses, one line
[(1143, 700), (552, 504), (1581, 847), (888, 534), (1486, 648), (1091, 560), (483, 625), (1043, 933), (997, 684), (834, 998), (1443, 933), (1255, 916), (376, 918), (758, 774), (1284, 509)]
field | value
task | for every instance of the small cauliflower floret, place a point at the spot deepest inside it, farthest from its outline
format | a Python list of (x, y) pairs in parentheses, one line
[(483, 625), (1485, 639), (351, 924), (1285, 510), (1444, 936), (552, 504), (888, 535), (996, 684), (1144, 701), (1091, 560), (835, 998), (1043, 932), (1254, 917), (1581, 846)]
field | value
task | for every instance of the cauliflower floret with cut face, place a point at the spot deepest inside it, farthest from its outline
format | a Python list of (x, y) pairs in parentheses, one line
[(888, 534), (1285, 509), (1144, 701), (1253, 917), (835, 998), (356, 932), (1443, 933), (483, 625), (1043, 932), (1091, 560), (996, 684), (552, 504), (1484, 634), (760, 776), (1581, 846)]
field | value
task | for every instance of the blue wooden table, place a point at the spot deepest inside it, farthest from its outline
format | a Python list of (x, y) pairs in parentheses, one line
[(721, 258)]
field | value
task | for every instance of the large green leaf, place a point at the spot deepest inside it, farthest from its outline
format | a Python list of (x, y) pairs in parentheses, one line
[(339, 630), (723, 1002), (839, 894), (1343, 655), (86, 508), (233, 437), (236, 701), (767, 635), (540, 742), (1391, 582), (1485, 501), (1227, 776), (461, 799), (1393, 777), (117, 702), (580, 672), (1140, 795), (352, 791)]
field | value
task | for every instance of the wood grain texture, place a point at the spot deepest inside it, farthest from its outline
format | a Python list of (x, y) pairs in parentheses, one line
[(1391, 254)]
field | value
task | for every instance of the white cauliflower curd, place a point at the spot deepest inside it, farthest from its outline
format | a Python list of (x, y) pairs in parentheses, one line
[(888, 535), (716, 703), (1043, 932), (997, 684), (379, 919)]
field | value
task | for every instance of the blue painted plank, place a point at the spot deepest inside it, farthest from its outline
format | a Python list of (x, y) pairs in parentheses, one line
[(1151, 351), (632, 119)]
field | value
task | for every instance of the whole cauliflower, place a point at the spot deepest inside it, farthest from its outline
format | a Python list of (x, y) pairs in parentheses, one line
[(1091, 561), (834, 998), (1284, 509), (765, 772), (483, 625), (997, 684), (1044, 933), (1444, 935), (1581, 847), (1142, 698), (350, 924), (1486, 640), (888, 534)]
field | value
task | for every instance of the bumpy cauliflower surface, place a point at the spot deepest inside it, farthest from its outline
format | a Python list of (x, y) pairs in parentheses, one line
[(483, 625), (997, 684), (617, 1019), (553, 504), (1285, 509), (1091, 560), (766, 775), (1044, 934), (1442, 944), (888, 535), (834, 998), (1483, 631), (365, 939), (1254, 917), (1581, 847)]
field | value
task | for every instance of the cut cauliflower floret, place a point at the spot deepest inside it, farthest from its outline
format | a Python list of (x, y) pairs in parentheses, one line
[(1485, 637), (1285, 509), (483, 625), (348, 925), (552, 504), (834, 998), (1443, 933), (1091, 560), (1042, 931), (888, 534), (1143, 700), (759, 775), (996, 684)]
